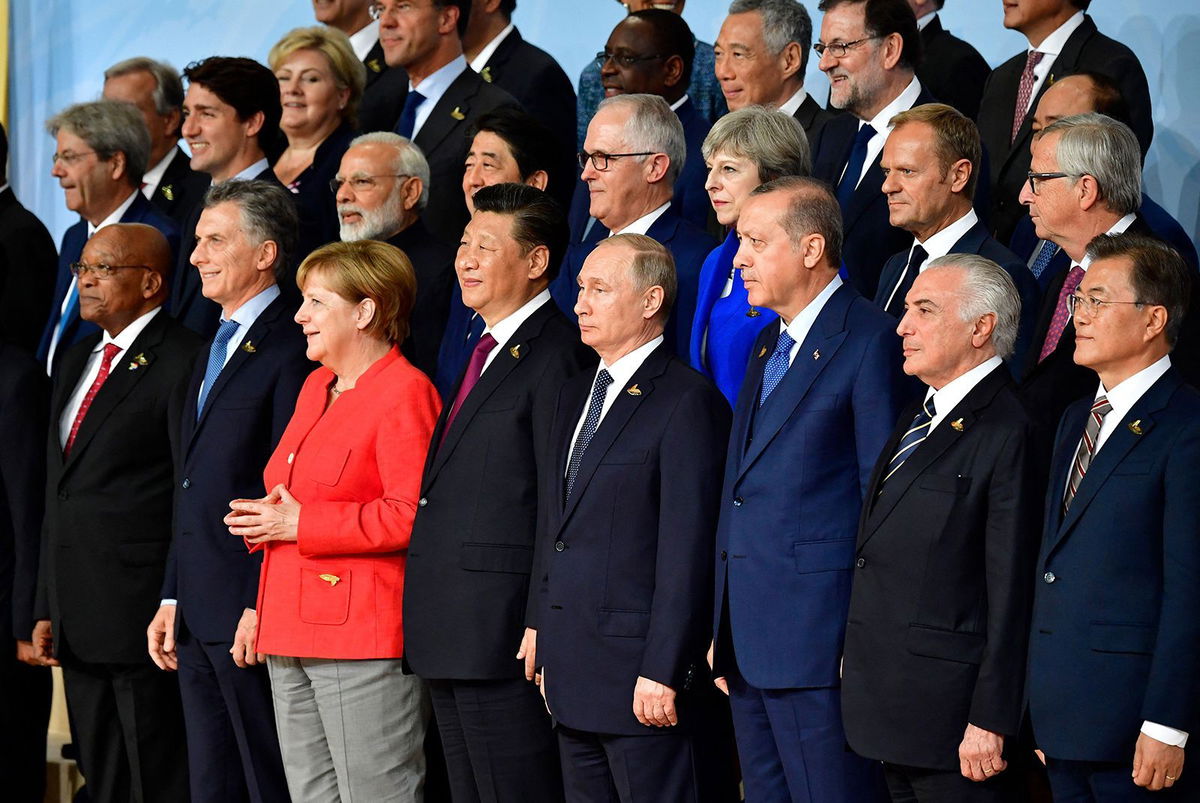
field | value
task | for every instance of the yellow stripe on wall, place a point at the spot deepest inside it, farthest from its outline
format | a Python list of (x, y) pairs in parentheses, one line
[(4, 62)]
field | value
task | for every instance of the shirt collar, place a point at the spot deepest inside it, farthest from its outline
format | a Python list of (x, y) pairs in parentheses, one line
[(925, 20), (1126, 394), (154, 175), (436, 83), (793, 104), (481, 60), (675, 106), (938, 245), (798, 328), (248, 313), (954, 391), (129, 334), (1117, 228), (114, 216), (624, 368), (902, 102), (1053, 44), (508, 327), (643, 224), (362, 40)]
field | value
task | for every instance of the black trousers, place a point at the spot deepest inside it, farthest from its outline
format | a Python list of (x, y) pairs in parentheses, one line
[(918, 785), (25, 693), (659, 767)]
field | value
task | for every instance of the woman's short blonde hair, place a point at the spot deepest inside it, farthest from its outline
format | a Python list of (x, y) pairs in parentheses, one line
[(368, 269), (348, 71)]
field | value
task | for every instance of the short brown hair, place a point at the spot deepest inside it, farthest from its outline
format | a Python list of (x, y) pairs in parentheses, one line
[(812, 209), (955, 137), (368, 269), (348, 71), (652, 266)]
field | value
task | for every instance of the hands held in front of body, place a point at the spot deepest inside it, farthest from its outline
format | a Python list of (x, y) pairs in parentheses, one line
[(243, 640), (160, 639), (980, 753), (43, 643), (654, 703), (1156, 765), (275, 517)]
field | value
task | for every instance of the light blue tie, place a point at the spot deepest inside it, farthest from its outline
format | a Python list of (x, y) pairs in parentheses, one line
[(216, 360), (777, 365), (917, 432), (1046, 253)]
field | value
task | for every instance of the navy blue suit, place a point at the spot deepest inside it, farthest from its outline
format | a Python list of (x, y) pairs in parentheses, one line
[(75, 238), (232, 747), (690, 200), (1115, 638), (797, 471)]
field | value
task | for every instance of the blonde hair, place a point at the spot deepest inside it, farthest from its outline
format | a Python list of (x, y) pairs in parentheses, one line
[(348, 71), (368, 269)]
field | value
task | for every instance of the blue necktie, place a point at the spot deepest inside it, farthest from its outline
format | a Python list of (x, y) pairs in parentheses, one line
[(858, 157), (917, 432), (1046, 252), (777, 365), (916, 259), (590, 423), (408, 117), (216, 360)]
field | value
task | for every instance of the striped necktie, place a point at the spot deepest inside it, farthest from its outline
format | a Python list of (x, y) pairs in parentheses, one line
[(1087, 449), (917, 432)]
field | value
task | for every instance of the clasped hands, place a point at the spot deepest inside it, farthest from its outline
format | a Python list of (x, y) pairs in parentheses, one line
[(275, 517)]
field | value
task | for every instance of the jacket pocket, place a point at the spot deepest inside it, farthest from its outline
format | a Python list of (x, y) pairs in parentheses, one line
[(1126, 637), (510, 558), (948, 645), (329, 465), (823, 556), (951, 485), (624, 624), (324, 596)]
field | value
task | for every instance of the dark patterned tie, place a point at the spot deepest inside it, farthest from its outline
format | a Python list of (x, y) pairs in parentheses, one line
[(408, 117), (1087, 449), (917, 432), (590, 422), (110, 352), (915, 261), (1046, 252), (777, 366), (1024, 92), (858, 157), (470, 378), (1058, 323), (216, 360)]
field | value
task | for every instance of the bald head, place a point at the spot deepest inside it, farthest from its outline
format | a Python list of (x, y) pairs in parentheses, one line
[(123, 275)]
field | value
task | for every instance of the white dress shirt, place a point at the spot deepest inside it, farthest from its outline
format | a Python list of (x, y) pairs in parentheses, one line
[(925, 20), (433, 86), (1117, 228), (252, 171), (799, 326), (675, 106), (153, 176), (481, 60), (362, 40), (946, 398), (1050, 47), (505, 329), (643, 224), (882, 124), (792, 104), (938, 245)]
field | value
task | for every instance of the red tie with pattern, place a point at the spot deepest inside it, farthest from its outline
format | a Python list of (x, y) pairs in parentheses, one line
[(110, 352), (1025, 92), (474, 369), (1061, 314)]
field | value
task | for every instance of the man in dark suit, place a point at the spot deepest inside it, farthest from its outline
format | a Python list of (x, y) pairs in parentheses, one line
[(383, 189), (495, 49), (466, 585), (951, 69), (1114, 659), (27, 267), (930, 165), (1062, 40), (624, 571), (444, 98), (355, 19), (761, 57), (157, 91), (934, 664), (630, 184), (815, 409), (251, 372), (231, 124), (100, 156), (869, 49), (108, 519)]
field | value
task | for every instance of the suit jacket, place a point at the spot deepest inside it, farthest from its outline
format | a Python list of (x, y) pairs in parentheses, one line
[(869, 239), (812, 117), (27, 274), (377, 109), (690, 200), (952, 69), (220, 457), (794, 482), (467, 583), (535, 79), (943, 583), (355, 469), (1115, 634), (1086, 49), (180, 188), (73, 241), (433, 262), (108, 504), (625, 566), (316, 206), (978, 241)]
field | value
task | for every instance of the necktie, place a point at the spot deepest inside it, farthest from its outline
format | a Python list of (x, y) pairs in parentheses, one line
[(915, 260), (917, 432), (216, 360), (1087, 449), (471, 378), (776, 367), (858, 157), (1046, 252), (110, 352), (408, 117), (590, 422), (1061, 315), (1025, 91), (66, 313)]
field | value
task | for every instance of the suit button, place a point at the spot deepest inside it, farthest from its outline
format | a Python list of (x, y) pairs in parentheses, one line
[(737, 501), (1049, 577), (291, 458), (187, 483), (861, 562), (422, 502), (724, 554), (559, 546)]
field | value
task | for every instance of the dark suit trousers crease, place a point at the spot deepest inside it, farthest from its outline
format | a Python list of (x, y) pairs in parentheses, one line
[(1109, 782), (498, 741), (659, 767), (25, 693), (918, 785)]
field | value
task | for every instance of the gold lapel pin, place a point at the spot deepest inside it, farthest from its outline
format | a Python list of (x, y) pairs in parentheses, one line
[(248, 347), (1136, 427), (752, 313), (956, 425), (816, 354), (763, 353), (374, 65), (515, 351), (457, 114), (138, 361), (332, 579), (486, 73), (168, 192), (634, 390)]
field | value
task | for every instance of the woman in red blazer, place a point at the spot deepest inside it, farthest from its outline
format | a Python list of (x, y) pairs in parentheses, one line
[(335, 528)]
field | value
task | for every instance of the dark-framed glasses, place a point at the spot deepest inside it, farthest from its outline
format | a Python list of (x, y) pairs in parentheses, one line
[(600, 160), (1036, 179), (625, 59), (1092, 305), (101, 270), (839, 49), (362, 183)]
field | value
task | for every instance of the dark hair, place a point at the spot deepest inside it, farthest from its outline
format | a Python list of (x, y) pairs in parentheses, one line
[(672, 37), (464, 12), (1158, 274), (813, 209), (267, 212), (1082, 5), (247, 86), (884, 18), (507, 7), (537, 218), (531, 143)]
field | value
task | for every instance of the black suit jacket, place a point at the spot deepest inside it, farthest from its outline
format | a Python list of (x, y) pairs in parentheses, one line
[(939, 609), (180, 188), (535, 79), (869, 239), (812, 118), (108, 504), (377, 109), (952, 69), (433, 262), (28, 260), (1085, 49), (220, 457), (466, 585)]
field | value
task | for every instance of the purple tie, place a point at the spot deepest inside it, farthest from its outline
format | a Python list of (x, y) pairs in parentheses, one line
[(1058, 323), (470, 379)]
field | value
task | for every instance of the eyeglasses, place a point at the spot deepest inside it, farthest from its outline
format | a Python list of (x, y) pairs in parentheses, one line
[(600, 160), (840, 49), (377, 10), (362, 183), (624, 59), (69, 157), (1034, 178), (1092, 305), (100, 271)]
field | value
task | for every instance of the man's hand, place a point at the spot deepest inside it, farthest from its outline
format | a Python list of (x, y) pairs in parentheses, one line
[(43, 643), (528, 652), (720, 683), (26, 654), (160, 639), (243, 640), (654, 703), (980, 754), (1156, 765)]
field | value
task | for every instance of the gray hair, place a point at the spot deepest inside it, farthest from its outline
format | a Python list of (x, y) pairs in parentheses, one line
[(652, 266), (268, 213), (108, 127), (1096, 145), (168, 89), (409, 159), (652, 126), (986, 288), (812, 209), (783, 22), (774, 141)]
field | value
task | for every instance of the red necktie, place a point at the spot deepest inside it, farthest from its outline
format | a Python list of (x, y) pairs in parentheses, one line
[(471, 378), (1061, 315), (1025, 92), (110, 352)]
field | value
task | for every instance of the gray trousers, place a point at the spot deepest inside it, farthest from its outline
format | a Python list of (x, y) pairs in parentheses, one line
[(350, 731)]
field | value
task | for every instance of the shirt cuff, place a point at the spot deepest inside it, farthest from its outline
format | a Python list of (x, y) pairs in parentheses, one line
[(1171, 736), (169, 602)]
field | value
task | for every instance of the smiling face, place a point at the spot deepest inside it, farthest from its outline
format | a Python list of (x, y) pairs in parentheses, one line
[(857, 79), (232, 269), (749, 73), (114, 302), (92, 186), (1036, 17), (309, 93), (922, 198), (348, 16), (730, 181), (495, 274), (489, 161), (333, 325), (654, 76), (410, 31), (218, 140)]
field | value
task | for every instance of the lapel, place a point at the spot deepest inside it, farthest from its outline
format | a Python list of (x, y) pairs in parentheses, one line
[(747, 400), (375, 63), (451, 111), (664, 228), (972, 241), (493, 71), (807, 113)]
